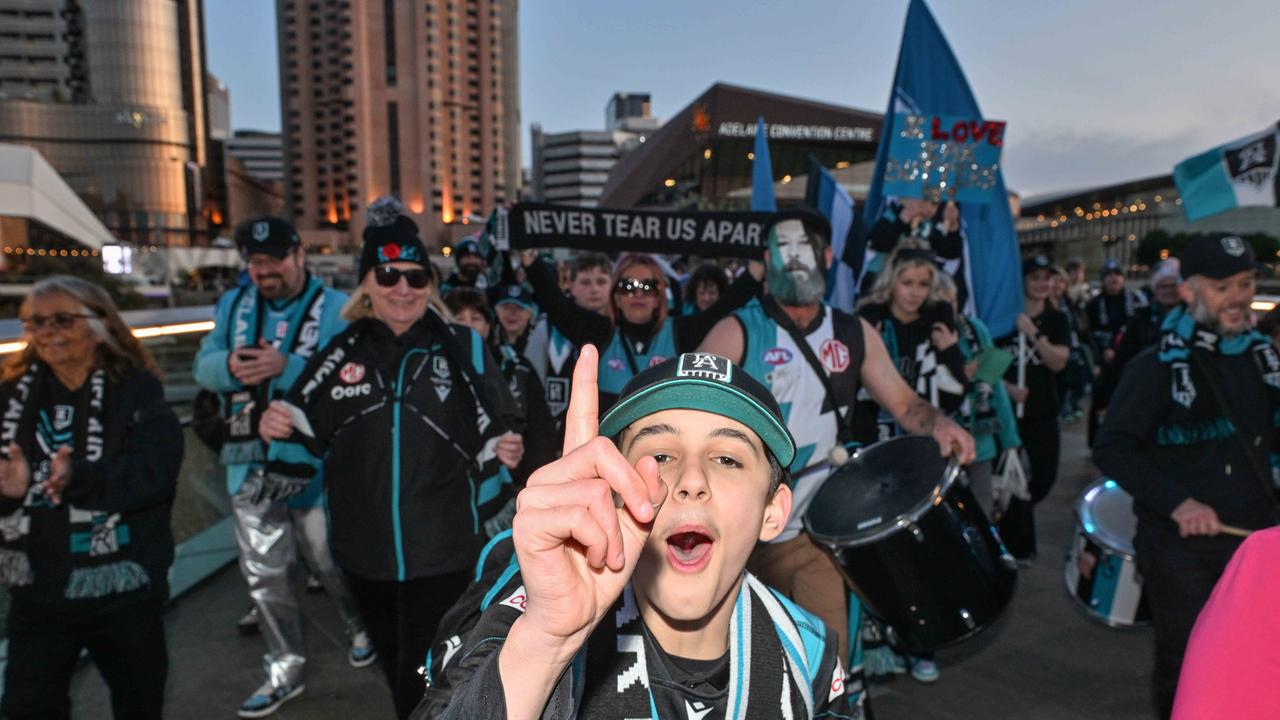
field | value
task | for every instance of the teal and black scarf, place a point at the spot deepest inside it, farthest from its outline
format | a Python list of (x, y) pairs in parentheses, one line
[(1195, 417), (98, 541)]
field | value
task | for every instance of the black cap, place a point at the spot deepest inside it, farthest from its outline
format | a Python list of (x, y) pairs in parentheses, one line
[(397, 242), (266, 235), (1111, 266), (1034, 263), (706, 382), (1217, 256), (518, 294), (466, 246)]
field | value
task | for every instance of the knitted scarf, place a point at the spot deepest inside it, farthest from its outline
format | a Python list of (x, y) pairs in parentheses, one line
[(1195, 417), (771, 663), (98, 540)]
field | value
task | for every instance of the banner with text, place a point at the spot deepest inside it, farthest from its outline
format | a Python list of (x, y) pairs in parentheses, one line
[(709, 234), (943, 157)]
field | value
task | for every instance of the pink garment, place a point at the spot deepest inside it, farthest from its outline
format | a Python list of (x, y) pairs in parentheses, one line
[(1232, 664)]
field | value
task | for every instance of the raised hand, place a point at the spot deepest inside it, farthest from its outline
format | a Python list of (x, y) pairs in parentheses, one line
[(59, 474), (577, 547), (15, 474), (276, 422)]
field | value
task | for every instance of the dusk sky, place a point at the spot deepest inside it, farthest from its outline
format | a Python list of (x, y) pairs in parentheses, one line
[(1094, 91)]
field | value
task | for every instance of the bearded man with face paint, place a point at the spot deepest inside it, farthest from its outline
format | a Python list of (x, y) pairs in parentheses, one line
[(1193, 464), (761, 337)]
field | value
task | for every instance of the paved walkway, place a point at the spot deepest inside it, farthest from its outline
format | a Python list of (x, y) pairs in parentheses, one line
[(1044, 661)]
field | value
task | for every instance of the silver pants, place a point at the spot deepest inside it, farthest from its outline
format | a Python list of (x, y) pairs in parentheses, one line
[(269, 535)]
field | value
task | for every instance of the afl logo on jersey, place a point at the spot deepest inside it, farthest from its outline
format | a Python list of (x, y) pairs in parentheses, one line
[(616, 364), (777, 356), (351, 373), (835, 356)]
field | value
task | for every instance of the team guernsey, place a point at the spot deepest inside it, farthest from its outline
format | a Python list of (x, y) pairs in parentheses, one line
[(771, 355), (622, 360), (553, 356)]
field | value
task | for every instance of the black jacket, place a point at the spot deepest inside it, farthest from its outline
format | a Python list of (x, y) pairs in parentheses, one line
[(406, 426), (1161, 460)]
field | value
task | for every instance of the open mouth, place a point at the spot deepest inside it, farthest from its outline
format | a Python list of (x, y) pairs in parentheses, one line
[(689, 550)]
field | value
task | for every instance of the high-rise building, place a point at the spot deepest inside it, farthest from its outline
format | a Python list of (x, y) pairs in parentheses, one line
[(571, 168), (413, 98), (113, 95), (261, 152)]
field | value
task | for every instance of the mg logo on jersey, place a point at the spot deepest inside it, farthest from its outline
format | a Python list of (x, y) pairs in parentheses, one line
[(777, 356), (351, 373), (835, 355)]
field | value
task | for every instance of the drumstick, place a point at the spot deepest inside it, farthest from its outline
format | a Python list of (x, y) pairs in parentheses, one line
[(1233, 530)]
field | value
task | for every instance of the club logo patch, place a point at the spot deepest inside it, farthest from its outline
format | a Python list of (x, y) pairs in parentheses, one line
[(705, 365), (62, 416), (835, 355), (351, 373), (1233, 246), (1252, 163), (261, 231), (777, 356)]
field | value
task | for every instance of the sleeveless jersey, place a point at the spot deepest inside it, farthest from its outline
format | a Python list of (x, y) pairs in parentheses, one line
[(617, 360), (771, 356)]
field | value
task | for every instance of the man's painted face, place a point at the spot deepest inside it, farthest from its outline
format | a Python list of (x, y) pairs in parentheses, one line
[(795, 271), (718, 507)]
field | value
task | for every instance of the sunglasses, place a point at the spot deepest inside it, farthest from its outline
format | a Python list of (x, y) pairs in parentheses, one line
[(387, 276), (57, 321), (631, 286)]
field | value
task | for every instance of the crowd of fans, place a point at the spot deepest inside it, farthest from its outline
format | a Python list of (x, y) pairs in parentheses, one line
[(383, 438)]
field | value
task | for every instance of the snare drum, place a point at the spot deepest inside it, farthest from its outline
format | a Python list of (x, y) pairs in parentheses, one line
[(913, 543), (1101, 574)]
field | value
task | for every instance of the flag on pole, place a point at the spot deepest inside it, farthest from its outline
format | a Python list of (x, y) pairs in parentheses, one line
[(826, 196), (762, 199), (1238, 174), (929, 80)]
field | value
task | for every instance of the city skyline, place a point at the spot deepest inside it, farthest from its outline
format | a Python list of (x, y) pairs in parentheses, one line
[(1093, 94)]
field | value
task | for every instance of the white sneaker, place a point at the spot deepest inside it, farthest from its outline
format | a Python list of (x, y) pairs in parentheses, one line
[(362, 653)]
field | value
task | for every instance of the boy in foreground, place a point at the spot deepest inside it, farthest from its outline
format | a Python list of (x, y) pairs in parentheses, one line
[(630, 597)]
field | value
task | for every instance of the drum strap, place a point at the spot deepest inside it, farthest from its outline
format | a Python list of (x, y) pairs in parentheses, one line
[(1255, 468), (844, 430)]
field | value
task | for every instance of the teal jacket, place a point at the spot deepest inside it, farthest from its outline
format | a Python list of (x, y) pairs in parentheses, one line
[(989, 444), (212, 373)]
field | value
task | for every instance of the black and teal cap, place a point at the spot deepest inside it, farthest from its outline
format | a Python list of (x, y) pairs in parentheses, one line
[(706, 382)]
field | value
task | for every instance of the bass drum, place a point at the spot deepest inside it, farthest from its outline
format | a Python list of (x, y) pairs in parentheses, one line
[(913, 543), (1101, 573)]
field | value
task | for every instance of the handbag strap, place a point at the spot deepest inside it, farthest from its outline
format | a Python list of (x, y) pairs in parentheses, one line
[(775, 313), (1220, 399)]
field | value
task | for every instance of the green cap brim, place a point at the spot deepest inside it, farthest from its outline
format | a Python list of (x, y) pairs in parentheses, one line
[(707, 396)]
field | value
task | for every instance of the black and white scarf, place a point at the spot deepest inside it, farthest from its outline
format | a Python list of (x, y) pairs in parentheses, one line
[(99, 565), (771, 673)]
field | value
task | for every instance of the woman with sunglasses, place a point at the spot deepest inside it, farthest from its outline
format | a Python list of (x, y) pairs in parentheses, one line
[(638, 332), (412, 418), (89, 460)]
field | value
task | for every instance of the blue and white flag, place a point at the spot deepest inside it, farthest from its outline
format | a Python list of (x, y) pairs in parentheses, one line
[(826, 196), (930, 81), (762, 199), (1238, 174)]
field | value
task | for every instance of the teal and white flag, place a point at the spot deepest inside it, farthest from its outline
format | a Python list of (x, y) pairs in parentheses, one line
[(1240, 173)]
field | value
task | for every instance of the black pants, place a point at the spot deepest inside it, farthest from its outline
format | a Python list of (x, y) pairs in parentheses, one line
[(124, 635), (401, 619), (1040, 438), (1178, 575)]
